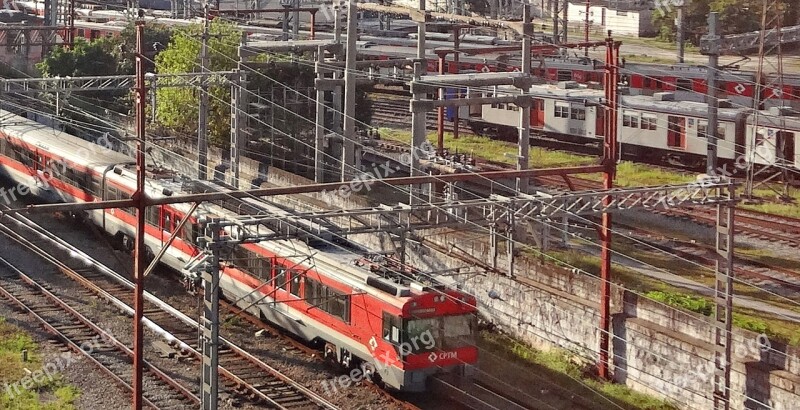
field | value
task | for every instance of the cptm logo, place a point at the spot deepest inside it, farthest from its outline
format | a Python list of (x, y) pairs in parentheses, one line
[(442, 355)]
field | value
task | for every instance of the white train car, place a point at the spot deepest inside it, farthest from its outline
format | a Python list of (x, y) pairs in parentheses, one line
[(566, 110), (676, 130), (772, 138)]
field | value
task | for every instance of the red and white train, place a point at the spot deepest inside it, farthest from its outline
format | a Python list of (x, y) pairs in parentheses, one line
[(362, 308), (658, 127)]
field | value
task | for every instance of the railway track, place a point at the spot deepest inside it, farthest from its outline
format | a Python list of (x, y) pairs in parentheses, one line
[(83, 337), (393, 111), (754, 224), (242, 374)]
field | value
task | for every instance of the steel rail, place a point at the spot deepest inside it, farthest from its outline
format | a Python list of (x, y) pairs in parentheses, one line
[(163, 306), (171, 383)]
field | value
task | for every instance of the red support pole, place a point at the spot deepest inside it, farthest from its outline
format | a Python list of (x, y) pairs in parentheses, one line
[(456, 45), (140, 253), (313, 25), (610, 163)]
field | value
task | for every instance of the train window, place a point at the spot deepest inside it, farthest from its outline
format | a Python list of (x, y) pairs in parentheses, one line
[(702, 129), (325, 298), (313, 293), (578, 114), (649, 122), (391, 328), (280, 277), (561, 110), (166, 220), (294, 286), (339, 304), (26, 157), (721, 132), (564, 75), (151, 215), (96, 186), (684, 84), (630, 120)]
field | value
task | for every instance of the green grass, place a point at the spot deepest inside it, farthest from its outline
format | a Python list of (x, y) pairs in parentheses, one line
[(493, 150), (644, 58), (745, 319), (773, 205), (49, 394), (557, 367)]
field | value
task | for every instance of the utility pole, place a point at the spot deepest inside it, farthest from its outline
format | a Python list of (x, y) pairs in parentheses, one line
[(680, 23), (337, 92), (525, 111), (586, 26), (711, 93), (287, 4), (348, 142), (210, 242), (202, 123), (611, 83), (296, 21), (554, 11), (421, 38), (456, 46), (319, 129), (140, 251), (238, 107), (564, 22)]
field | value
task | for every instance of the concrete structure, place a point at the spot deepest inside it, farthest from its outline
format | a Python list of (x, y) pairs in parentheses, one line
[(627, 18)]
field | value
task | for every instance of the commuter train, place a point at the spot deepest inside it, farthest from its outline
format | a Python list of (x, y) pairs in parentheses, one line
[(366, 310), (658, 127)]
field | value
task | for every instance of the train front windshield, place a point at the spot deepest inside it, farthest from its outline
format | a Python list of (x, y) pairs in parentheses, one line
[(440, 333)]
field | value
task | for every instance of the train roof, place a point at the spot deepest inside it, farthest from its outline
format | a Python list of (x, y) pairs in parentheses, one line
[(60, 143), (687, 108), (778, 117), (567, 90)]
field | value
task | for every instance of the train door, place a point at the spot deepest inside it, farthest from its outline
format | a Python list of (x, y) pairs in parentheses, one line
[(786, 148), (537, 113), (676, 134), (169, 221), (600, 123)]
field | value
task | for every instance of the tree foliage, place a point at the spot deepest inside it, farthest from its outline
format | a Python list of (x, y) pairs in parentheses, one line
[(177, 108), (736, 16), (156, 38), (85, 58)]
